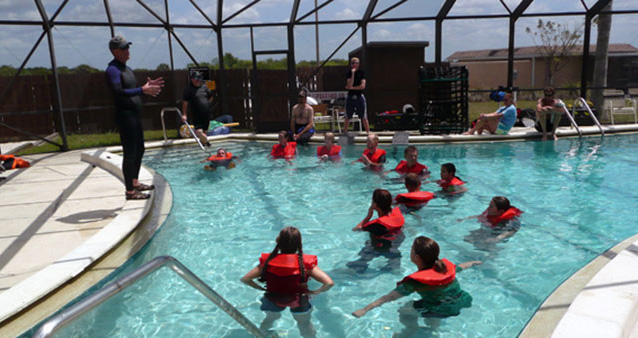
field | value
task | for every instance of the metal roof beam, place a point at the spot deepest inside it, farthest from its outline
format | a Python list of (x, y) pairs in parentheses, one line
[(313, 10), (397, 4), (215, 28), (107, 8)]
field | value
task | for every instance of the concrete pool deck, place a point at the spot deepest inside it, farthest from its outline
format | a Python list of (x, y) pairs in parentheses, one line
[(55, 210)]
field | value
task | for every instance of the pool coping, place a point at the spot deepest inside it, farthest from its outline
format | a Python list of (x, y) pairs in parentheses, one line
[(69, 269)]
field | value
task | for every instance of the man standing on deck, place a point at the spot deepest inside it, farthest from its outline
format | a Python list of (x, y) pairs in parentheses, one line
[(128, 107), (356, 102)]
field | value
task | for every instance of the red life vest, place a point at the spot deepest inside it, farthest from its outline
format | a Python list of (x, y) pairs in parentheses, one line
[(334, 151), (402, 168), (216, 157), (433, 278), (278, 151), (506, 216), (16, 161), (393, 222), (415, 198), (454, 182), (376, 156), (283, 273)]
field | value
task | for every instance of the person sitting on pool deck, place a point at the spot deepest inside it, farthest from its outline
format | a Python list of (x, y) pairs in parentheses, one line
[(284, 149), (329, 151), (411, 163), (386, 233), (435, 281), (372, 157), (222, 158), (286, 271), (499, 122), (302, 120), (549, 105), (449, 182), (414, 198)]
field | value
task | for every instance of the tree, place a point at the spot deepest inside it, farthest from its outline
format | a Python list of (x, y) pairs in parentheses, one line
[(603, 23), (555, 42), (162, 67)]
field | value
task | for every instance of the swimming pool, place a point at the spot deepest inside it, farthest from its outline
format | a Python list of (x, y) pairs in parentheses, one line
[(578, 197)]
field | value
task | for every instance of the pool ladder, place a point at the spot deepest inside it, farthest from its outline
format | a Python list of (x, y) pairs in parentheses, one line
[(113, 288), (179, 113), (582, 102)]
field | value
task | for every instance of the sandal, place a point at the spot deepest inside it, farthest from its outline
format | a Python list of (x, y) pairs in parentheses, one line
[(143, 187), (136, 195)]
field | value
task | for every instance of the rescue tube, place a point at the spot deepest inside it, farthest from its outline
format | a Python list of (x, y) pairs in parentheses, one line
[(506, 216), (288, 264), (393, 222), (433, 278), (229, 156), (335, 150), (454, 182), (415, 199), (402, 168), (278, 151), (376, 156)]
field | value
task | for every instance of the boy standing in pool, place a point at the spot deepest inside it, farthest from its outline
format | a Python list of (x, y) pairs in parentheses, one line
[(372, 157)]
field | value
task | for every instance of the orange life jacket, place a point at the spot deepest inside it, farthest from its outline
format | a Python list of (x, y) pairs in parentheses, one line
[(454, 182), (334, 151), (216, 157), (402, 168), (415, 198), (431, 277), (283, 273), (278, 151), (376, 156), (16, 162), (393, 222), (506, 216)]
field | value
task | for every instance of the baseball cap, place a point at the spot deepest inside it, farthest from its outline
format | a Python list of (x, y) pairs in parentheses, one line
[(118, 42)]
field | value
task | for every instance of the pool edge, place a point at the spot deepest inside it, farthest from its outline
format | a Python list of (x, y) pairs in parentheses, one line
[(128, 245)]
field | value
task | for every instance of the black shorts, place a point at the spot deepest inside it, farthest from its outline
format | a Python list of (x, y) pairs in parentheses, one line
[(356, 103), (277, 303)]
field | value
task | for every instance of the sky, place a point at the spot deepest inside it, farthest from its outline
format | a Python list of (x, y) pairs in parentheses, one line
[(88, 45)]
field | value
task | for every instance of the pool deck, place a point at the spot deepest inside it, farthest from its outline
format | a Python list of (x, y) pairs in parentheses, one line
[(66, 225)]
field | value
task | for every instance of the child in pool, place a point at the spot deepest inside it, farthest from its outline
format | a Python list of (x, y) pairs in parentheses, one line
[(414, 198), (411, 163), (449, 182), (284, 149), (502, 219), (222, 158), (373, 157), (386, 233), (329, 151), (286, 271), (435, 281)]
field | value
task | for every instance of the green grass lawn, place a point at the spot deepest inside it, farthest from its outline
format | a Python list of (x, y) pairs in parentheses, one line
[(82, 141)]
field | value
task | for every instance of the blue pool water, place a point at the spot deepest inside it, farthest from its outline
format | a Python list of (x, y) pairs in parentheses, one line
[(578, 197)]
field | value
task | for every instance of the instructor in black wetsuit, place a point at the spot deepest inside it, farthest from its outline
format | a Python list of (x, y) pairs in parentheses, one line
[(198, 97), (128, 107)]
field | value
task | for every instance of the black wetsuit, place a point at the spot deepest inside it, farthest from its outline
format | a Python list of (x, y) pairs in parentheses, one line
[(199, 105), (128, 107)]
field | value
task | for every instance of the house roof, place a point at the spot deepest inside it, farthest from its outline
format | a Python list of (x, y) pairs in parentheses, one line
[(529, 51)]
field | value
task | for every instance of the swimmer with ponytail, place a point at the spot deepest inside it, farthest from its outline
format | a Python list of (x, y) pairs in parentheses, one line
[(286, 271), (435, 281)]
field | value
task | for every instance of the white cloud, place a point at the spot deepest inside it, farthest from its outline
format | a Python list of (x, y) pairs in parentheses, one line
[(347, 14)]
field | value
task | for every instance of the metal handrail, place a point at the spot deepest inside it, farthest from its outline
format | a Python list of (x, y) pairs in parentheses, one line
[(593, 117), (188, 125), (571, 118), (111, 289)]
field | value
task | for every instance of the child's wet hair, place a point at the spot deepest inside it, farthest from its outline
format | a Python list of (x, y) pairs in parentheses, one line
[(383, 199), (288, 242), (330, 136), (408, 150), (501, 202), (412, 181), (283, 133), (428, 250), (449, 167)]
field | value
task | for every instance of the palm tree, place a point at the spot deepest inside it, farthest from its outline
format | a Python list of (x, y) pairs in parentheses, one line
[(600, 63)]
